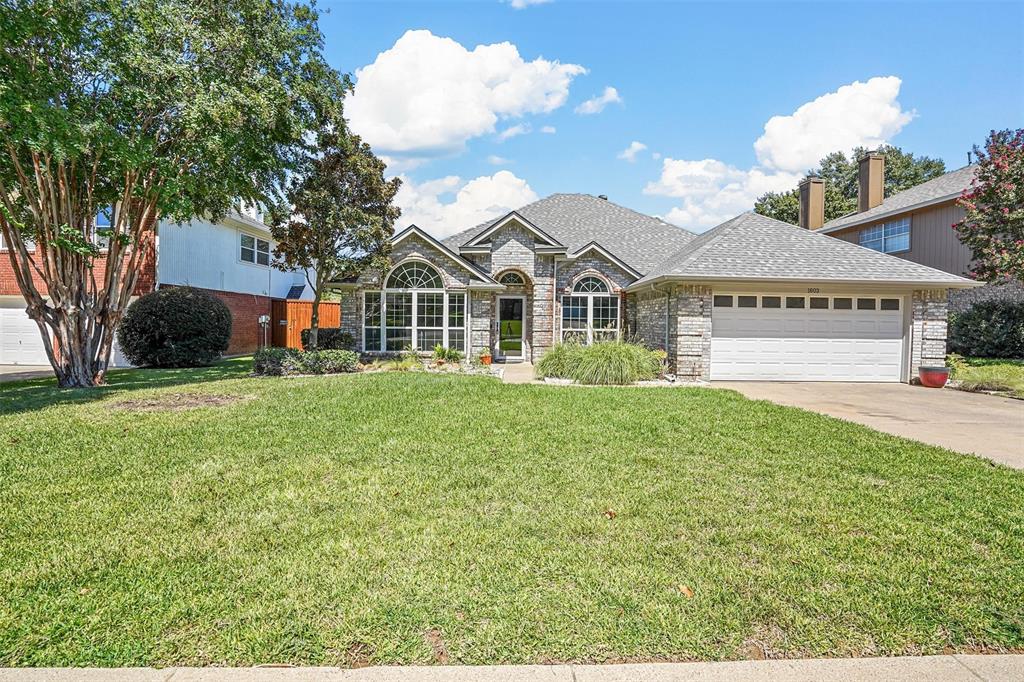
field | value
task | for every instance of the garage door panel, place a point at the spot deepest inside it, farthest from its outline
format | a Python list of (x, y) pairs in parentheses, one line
[(806, 345), (20, 342)]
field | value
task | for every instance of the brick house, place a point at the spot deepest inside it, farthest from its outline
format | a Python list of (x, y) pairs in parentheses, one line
[(230, 259), (751, 299)]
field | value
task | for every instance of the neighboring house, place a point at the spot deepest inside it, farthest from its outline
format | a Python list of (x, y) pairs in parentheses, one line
[(230, 259), (915, 224), (752, 299)]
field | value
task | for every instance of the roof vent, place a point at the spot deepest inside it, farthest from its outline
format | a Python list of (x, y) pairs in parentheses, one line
[(603, 196)]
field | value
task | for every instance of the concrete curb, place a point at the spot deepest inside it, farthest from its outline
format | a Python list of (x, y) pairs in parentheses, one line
[(996, 668)]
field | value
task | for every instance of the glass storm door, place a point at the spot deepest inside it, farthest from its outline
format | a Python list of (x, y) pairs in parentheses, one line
[(510, 327)]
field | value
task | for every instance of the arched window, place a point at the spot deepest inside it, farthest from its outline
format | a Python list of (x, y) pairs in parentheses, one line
[(415, 275), (414, 311), (591, 313), (512, 278), (590, 285)]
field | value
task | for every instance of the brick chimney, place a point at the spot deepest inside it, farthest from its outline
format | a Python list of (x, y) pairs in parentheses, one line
[(870, 181), (812, 203)]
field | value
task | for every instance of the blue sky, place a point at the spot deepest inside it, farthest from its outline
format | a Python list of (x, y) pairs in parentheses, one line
[(695, 83)]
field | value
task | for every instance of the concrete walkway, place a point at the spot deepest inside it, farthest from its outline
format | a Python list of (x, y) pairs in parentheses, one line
[(518, 373), (903, 669), (985, 425)]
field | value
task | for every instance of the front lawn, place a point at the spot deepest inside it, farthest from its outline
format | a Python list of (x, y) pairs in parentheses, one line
[(406, 517), (991, 374)]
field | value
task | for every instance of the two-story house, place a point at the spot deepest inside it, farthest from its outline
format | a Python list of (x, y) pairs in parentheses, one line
[(915, 224), (231, 259)]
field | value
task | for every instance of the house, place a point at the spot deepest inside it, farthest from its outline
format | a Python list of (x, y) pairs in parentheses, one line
[(751, 299), (915, 224), (230, 259)]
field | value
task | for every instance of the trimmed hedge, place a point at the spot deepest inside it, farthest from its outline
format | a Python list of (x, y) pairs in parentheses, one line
[(992, 329), (175, 327), (290, 361), (329, 338), (605, 362)]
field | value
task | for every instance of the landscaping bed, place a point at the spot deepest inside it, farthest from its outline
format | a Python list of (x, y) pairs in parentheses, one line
[(988, 375), (414, 517)]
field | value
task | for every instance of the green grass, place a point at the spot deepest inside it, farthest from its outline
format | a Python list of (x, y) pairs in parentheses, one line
[(992, 374), (412, 518)]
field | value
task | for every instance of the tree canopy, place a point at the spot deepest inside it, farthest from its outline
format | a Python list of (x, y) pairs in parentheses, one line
[(993, 227), (903, 170), (158, 108), (338, 217)]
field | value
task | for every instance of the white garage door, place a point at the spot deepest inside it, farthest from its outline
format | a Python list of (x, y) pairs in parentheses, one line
[(779, 337), (20, 343)]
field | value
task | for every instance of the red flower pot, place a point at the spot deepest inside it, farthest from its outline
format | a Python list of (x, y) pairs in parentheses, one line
[(933, 377)]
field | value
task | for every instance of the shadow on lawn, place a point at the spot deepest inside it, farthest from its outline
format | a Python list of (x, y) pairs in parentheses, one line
[(36, 394)]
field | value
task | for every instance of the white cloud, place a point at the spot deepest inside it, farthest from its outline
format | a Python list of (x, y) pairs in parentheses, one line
[(471, 203), (523, 4), (513, 131), (548, 130), (427, 95), (630, 152), (496, 160), (595, 105), (859, 114)]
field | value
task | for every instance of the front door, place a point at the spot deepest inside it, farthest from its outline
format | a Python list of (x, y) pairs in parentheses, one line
[(510, 327)]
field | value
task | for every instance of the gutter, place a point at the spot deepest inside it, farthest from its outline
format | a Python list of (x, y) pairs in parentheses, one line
[(959, 283)]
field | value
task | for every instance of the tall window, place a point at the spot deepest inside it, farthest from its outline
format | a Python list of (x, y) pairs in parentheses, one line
[(590, 313), (414, 311), (891, 237), (103, 224)]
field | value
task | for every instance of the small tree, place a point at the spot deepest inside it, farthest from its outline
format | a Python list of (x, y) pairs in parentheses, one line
[(903, 170), (177, 108), (340, 218), (993, 227)]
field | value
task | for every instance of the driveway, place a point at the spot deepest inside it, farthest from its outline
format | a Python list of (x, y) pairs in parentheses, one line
[(976, 423), (19, 372)]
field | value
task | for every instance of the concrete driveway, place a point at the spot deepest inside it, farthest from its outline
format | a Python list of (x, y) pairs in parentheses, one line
[(976, 423), (19, 372)]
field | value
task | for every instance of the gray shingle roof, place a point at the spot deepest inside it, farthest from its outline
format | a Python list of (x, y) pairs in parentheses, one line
[(752, 246), (950, 184), (575, 220)]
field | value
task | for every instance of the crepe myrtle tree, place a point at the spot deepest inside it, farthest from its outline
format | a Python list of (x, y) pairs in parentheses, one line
[(338, 216), (157, 108), (993, 227)]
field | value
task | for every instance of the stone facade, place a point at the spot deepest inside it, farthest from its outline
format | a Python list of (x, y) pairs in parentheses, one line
[(961, 300), (649, 312), (693, 332), (929, 311)]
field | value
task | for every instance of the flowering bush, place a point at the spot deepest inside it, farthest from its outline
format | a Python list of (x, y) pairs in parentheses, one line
[(994, 225)]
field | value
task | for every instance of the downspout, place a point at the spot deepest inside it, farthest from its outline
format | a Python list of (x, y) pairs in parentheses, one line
[(555, 313)]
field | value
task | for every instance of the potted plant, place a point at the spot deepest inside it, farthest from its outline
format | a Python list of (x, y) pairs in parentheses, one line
[(933, 377), (485, 356)]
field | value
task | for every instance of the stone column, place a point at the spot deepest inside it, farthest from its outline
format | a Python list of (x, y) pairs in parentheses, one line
[(929, 308), (693, 332)]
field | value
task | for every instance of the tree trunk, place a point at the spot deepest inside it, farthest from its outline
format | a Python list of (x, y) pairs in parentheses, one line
[(314, 321)]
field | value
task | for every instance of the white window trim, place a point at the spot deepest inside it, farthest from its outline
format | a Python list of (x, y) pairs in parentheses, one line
[(877, 298), (882, 227), (590, 296), (255, 250), (446, 330)]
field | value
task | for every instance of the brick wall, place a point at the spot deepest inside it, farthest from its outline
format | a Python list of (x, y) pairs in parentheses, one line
[(146, 282), (649, 311), (929, 310), (246, 333)]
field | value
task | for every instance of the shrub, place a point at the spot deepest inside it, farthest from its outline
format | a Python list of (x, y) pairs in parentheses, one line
[(447, 354), (289, 361), (175, 327), (329, 338), (992, 329), (605, 362)]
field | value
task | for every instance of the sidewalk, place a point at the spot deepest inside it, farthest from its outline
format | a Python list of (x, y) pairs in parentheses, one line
[(518, 373), (903, 669)]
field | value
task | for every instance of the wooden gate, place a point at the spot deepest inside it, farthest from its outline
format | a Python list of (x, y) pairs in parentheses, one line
[(289, 318)]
